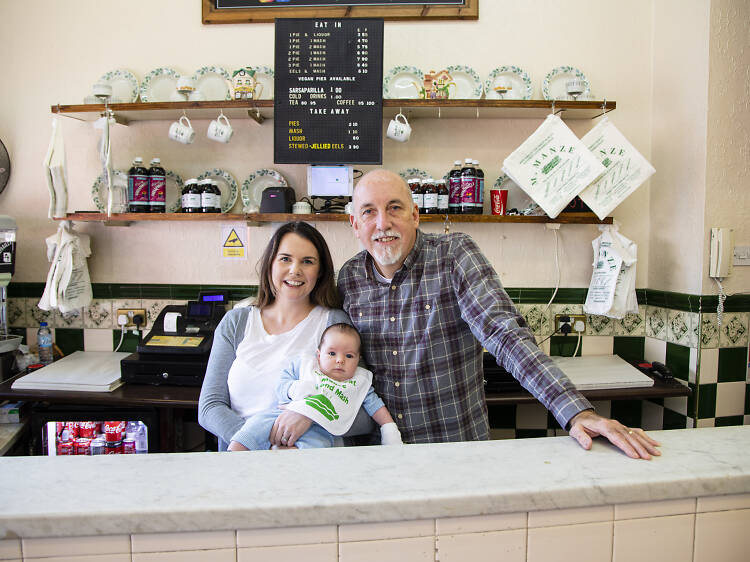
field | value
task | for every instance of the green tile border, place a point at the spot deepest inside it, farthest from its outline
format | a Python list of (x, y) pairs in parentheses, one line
[(519, 295)]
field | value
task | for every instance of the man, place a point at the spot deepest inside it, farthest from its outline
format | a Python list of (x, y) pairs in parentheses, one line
[(425, 305)]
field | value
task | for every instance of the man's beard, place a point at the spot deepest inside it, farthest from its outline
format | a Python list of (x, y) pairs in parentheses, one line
[(386, 255)]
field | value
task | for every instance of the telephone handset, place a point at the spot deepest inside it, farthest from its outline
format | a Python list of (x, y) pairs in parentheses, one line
[(722, 246)]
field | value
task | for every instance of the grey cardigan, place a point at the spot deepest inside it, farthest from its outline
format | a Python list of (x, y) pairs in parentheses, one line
[(215, 413)]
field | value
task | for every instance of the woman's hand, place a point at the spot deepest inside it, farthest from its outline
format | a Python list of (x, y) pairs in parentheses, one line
[(288, 427)]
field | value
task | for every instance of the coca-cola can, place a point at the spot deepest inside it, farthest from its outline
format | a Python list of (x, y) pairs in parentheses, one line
[(113, 430), (73, 429), (113, 448), (128, 446), (97, 447), (82, 445), (65, 448), (87, 429)]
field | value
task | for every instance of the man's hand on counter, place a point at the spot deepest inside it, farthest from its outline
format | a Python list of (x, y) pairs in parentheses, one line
[(632, 441)]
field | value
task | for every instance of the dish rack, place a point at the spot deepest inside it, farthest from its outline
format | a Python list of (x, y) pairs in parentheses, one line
[(9, 343)]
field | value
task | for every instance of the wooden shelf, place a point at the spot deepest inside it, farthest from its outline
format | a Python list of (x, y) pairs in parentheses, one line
[(260, 110), (256, 218)]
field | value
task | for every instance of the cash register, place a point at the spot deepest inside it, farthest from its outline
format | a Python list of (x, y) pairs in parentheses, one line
[(176, 350)]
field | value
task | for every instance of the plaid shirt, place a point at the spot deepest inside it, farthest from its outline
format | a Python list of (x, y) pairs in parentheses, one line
[(422, 336)]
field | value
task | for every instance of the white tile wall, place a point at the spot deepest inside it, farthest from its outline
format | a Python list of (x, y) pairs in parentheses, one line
[(169, 542), (647, 540), (421, 549), (297, 553), (557, 517), (591, 542), (480, 523), (10, 549), (76, 546), (722, 536), (287, 536), (508, 546), (387, 530), (224, 555)]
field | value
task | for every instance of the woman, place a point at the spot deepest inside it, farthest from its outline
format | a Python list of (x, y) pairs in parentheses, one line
[(297, 300)]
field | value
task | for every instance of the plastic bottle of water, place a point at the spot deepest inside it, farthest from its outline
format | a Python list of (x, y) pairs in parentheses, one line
[(141, 439), (44, 341)]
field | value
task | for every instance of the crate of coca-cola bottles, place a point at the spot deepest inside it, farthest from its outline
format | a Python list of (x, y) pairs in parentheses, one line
[(99, 437)]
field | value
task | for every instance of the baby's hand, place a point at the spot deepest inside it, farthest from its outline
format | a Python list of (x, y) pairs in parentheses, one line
[(301, 389), (390, 435), (235, 446)]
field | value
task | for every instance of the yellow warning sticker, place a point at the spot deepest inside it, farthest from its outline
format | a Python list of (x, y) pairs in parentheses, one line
[(175, 341), (233, 240)]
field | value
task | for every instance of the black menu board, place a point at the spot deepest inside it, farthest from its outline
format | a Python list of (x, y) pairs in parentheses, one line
[(328, 91)]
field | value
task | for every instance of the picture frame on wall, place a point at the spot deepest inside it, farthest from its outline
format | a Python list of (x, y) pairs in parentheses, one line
[(266, 11)]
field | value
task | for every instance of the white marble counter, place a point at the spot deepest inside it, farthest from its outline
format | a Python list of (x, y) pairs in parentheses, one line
[(110, 494)]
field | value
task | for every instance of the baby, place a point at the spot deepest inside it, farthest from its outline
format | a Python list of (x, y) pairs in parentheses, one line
[(329, 389)]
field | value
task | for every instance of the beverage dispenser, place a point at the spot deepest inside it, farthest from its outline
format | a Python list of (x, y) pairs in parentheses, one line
[(8, 343)]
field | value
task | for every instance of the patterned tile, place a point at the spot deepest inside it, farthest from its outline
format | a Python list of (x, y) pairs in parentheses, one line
[(16, 313), (154, 307), (656, 322), (733, 331), (36, 315), (98, 314), (599, 325), (709, 331), (678, 327), (536, 317), (72, 319), (632, 324)]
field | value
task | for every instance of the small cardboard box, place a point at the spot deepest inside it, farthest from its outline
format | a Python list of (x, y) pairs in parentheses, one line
[(12, 412)]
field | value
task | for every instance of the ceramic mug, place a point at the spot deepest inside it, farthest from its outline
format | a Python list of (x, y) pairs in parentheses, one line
[(185, 84), (219, 129), (399, 130), (182, 132), (301, 208)]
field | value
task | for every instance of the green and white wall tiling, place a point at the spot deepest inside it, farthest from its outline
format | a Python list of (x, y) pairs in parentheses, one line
[(679, 330)]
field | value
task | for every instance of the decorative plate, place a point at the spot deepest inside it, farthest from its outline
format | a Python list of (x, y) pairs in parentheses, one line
[(253, 186), (227, 186), (124, 85), (467, 81), (264, 79), (99, 189), (213, 82), (173, 192), (159, 84), (413, 173), (553, 87), (403, 82), (519, 81)]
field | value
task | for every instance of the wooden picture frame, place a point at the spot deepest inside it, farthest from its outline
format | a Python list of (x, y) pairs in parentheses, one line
[(424, 10)]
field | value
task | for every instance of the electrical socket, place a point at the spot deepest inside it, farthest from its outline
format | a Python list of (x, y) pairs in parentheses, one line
[(577, 322), (130, 313)]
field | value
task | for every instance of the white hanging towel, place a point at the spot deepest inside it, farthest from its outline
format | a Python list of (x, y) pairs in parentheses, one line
[(335, 404), (552, 166), (68, 283), (626, 168), (55, 173), (612, 289)]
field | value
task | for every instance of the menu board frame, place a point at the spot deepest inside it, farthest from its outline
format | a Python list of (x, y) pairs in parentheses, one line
[(469, 10), (328, 107)]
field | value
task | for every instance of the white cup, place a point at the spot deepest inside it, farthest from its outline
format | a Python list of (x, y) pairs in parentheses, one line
[(182, 132), (399, 130), (185, 84), (196, 95), (301, 208), (219, 129)]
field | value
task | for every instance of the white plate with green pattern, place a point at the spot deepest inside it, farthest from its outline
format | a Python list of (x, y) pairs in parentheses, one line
[(253, 186), (467, 81), (124, 85), (553, 87), (213, 82), (99, 190), (413, 173), (502, 77), (227, 185), (264, 80), (403, 82), (173, 192), (159, 84)]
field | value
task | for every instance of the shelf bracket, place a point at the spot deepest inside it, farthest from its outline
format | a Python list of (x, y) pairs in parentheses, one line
[(254, 114)]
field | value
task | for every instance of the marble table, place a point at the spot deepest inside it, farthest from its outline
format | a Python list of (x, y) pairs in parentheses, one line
[(158, 493)]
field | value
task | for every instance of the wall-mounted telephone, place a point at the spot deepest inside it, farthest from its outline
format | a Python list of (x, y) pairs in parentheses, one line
[(722, 246)]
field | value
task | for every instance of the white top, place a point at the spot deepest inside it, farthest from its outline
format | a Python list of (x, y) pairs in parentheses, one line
[(255, 372)]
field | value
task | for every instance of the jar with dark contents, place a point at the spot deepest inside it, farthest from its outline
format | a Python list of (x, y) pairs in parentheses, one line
[(430, 196), (417, 195), (443, 197)]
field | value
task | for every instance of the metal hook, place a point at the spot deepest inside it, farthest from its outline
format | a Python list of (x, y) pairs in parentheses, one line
[(477, 112), (604, 109), (447, 224), (438, 112), (553, 107)]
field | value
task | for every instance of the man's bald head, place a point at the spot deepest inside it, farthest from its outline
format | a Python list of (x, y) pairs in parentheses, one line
[(379, 178)]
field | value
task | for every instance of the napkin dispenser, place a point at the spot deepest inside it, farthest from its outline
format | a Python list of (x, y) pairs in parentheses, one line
[(277, 200)]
